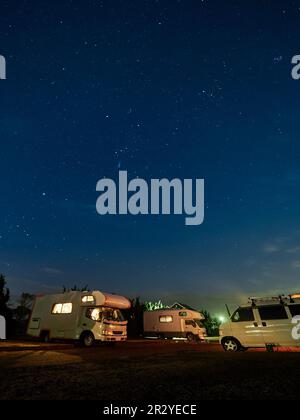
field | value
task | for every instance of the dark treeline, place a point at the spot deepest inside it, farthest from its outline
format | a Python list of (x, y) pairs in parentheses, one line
[(16, 317), (134, 316)]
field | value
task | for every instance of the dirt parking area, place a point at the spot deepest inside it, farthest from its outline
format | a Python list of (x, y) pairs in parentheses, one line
[(144, 370)]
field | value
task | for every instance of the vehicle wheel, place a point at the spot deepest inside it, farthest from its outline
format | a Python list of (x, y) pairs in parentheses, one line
[(231, 345), (87, 339), (190, 337)]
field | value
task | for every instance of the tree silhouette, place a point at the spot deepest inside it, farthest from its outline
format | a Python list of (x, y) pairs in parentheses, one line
[(211, 324), (134, 316), (152, 306), (23, 310), (22, 313)]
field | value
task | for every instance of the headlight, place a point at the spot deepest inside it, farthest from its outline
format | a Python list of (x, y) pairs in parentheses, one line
[(107, 332)]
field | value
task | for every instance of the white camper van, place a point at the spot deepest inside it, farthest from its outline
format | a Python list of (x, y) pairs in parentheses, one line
[(84, 316), (174, 323), (273, 321)]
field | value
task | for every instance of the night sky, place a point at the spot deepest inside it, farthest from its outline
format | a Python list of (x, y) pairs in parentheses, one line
[(166, 88)]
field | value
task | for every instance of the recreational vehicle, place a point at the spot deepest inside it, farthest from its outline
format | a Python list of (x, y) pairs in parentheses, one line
[(263, 322), (83, 316), (174, 323)]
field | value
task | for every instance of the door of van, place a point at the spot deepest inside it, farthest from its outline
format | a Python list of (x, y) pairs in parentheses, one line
[(276, 324), (245, 327)]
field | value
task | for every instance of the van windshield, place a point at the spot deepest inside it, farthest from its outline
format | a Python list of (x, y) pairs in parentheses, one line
[(107, 314), (243, 315)]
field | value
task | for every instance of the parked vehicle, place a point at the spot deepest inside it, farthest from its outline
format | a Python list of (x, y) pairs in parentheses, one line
[(262, 322), (84, 316), (174, 323)]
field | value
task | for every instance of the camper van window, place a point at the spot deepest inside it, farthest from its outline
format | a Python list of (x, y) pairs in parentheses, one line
[(94, 314), (62, 308), (88, 298), (182, 314), (166, 318), (272, 312), (112, 315), (295, 310), (243, 315), (101, 314)]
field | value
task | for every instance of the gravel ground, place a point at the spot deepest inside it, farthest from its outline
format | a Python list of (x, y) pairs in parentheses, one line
[(144, 371)]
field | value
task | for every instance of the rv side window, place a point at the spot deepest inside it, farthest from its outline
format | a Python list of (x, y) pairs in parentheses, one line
[(243, 315), (62, 308), (182, 314), (87, 298), (272, 312), (166, 318), (295, 310)]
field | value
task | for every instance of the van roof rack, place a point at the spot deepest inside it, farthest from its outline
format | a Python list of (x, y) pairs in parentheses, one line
[(267, 299), (274, 299)]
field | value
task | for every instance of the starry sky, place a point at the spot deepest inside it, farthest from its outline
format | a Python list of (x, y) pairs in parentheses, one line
[(165, 88)]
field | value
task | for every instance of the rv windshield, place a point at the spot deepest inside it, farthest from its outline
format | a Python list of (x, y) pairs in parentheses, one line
[(101, 314), (199, 323)]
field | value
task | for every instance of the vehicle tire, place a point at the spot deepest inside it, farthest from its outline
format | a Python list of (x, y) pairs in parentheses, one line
[(87, 339), (231, 344), (45, 336), (190, 337)]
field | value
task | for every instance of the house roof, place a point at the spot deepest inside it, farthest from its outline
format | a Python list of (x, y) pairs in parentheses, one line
[(179, 305)]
